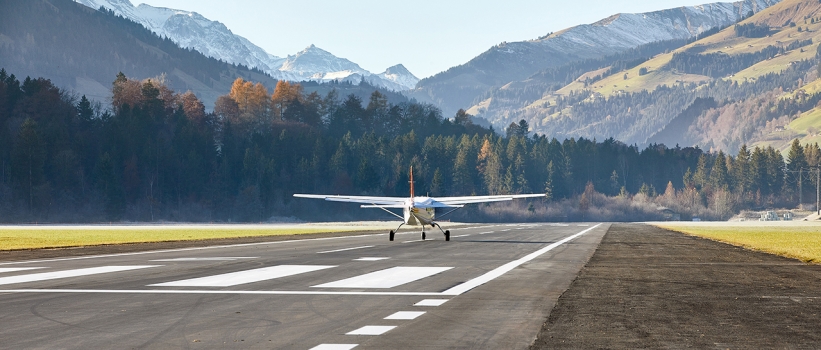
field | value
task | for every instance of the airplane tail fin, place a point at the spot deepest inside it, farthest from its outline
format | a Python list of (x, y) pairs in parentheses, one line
[(411, 182)]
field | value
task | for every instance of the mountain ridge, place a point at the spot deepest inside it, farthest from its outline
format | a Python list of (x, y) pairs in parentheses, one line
[(191, 30), (459, 86)]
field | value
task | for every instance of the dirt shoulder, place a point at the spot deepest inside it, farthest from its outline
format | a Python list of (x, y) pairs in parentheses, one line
[(28, 254), (647, 287)]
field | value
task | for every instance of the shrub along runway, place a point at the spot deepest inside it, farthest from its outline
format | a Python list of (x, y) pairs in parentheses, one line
[(646, 287)]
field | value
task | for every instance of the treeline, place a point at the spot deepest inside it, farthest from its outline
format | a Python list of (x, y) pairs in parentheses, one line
[(717, 65), (752, 30), (158, 155)]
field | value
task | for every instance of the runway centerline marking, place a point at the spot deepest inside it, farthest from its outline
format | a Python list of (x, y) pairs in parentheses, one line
[(334, 347), (345, 249), (371, 259), (501, 270), (405, 315), (431, 302), (243, 277), (227, 258), (43, 276), (461, 236), (15, 269), (388, 278), (371, 330)]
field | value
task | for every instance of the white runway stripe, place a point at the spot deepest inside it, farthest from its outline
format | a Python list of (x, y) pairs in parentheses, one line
[(501, 270), (227, 258), (14, 269), (344, 249), (68, 273), (388, 278), (431, 302), (334, 347), (405, 315), (371, 330), (242, 277), (371, 259)]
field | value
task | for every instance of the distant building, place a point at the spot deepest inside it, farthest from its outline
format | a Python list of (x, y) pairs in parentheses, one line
[(669, 214), (769, 216)]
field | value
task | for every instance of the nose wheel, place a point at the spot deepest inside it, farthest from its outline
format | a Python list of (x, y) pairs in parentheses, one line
[(423, 235)]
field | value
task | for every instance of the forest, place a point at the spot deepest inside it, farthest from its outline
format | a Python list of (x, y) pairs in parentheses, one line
[(156, 154)]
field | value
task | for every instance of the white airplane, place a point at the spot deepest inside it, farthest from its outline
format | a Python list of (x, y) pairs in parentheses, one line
[(418, 210)]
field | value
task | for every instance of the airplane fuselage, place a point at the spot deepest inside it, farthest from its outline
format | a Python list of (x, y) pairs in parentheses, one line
[(418, 216)]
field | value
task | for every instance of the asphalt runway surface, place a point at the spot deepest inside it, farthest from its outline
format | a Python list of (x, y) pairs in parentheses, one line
[(491, 287), (649, 288)]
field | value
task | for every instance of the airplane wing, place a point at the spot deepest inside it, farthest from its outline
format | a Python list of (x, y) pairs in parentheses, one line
[(484, 199), (387, 202)]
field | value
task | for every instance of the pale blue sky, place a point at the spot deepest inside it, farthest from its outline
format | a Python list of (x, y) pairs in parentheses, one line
[(427, 36)]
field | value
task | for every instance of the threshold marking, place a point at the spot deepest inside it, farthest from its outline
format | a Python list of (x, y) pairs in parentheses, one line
[(431, 302), (227, 258), (371, 259), (405, 315), (371, 330), (501, 270), (43, 276), (334, 347), (14, 269), (345, 249), (243, 277), (388, 278)]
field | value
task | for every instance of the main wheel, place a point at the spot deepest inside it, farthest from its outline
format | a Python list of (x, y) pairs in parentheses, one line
[(392, 234), (447, 235), (423, 235)]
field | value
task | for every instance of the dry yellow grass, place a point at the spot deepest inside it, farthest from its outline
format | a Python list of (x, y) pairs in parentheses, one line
[(35, 237), (797, 240)]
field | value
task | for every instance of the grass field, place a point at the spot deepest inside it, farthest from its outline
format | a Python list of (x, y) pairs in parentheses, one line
[(35, 237), (797, 239)]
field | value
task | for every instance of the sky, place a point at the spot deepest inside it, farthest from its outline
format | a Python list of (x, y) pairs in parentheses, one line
[(427, 36)]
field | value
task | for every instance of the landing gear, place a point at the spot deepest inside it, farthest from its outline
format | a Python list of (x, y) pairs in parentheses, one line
[(393, 233), (423, 235), (446, 233)]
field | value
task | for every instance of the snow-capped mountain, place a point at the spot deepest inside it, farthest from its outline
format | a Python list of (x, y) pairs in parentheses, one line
[(459, 86), (214, 39), (623, 31)]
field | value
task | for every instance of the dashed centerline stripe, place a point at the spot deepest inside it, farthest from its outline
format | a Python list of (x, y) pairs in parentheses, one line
[(371, 330), (431, 302), (334, 347), (344, 249), (405, 315)]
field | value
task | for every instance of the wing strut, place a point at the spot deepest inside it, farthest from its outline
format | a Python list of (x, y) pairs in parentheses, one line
[(389, 212)]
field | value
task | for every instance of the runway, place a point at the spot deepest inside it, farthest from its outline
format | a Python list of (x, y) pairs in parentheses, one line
[(491, 286)]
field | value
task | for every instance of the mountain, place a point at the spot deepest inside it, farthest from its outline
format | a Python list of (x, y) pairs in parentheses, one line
[(755, 82), (460, 86), (214, 39), (82, 49)]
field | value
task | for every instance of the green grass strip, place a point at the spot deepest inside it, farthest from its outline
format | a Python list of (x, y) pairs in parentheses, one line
[(12, 238), (794, 240)]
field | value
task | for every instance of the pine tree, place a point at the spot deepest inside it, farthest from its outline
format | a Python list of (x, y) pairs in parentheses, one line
[(719, 173)]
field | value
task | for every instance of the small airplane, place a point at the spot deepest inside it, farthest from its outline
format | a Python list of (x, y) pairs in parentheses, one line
[(418, 210)]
